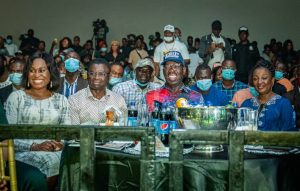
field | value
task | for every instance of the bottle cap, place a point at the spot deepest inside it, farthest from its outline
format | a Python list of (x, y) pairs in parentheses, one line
[(181, 102)]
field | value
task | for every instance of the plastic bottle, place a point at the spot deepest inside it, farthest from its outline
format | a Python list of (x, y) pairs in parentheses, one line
[(172, 118), (155, 117), (164, 126), (132, 115)]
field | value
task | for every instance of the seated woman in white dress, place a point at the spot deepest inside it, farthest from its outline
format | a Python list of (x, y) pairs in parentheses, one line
[(38, 104)]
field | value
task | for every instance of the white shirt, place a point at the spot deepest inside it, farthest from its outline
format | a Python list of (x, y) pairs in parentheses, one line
[(195, 61), (164, 48), (11, 48), (218, 54)]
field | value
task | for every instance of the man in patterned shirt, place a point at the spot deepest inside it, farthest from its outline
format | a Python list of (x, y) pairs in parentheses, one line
[(90, 104), (228, 84), (174, 71), (134, 90)]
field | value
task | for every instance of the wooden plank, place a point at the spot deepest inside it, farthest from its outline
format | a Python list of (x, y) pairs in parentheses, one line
[(87, 159)]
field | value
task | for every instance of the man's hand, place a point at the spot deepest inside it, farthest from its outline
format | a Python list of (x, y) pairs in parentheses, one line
[(47, 146), (3, 186)]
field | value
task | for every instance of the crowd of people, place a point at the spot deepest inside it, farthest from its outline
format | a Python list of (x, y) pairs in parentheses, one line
[(74, 84)]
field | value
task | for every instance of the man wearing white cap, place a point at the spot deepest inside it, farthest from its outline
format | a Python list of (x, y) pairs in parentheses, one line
[(133, 91), (169, 44)]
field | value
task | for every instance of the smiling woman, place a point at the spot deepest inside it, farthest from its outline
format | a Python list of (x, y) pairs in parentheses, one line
[(275, 113), (38, 104)]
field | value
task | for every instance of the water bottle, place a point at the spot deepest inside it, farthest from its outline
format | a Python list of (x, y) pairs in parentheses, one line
[(155, 117), (132, 115), (172, 119), (164, 126)]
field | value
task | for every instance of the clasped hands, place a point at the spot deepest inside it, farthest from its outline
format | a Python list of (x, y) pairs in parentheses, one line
[(50, 145)]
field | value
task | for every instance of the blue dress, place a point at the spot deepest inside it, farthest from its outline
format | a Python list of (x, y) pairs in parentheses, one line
[(275, 115), (214, 97)]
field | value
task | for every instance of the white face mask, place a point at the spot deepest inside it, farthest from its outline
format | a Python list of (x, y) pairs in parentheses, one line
[(168, 38)]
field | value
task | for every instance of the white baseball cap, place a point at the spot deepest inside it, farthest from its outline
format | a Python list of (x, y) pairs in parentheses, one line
[(170, 28)]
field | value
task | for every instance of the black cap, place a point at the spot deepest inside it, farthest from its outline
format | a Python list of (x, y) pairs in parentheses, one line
[(243, 29), (216, 25)]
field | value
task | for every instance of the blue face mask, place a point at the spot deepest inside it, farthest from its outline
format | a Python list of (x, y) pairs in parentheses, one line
[(228, 74), (204, 84), (253, 91), (72, 65), (103, 49), (15, 78), (8, 41), (278, 75), (114, 81), (141, 84)]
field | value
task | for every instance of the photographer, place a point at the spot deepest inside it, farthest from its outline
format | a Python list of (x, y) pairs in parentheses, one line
[(100, 29)]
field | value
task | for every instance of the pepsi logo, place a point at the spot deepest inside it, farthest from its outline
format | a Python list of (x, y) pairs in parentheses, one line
[(164, 126)]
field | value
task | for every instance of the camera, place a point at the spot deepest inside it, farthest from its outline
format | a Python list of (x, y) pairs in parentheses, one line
[(98, 24)]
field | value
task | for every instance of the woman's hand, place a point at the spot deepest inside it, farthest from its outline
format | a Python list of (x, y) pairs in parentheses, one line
[(47, 146), (3, 186)]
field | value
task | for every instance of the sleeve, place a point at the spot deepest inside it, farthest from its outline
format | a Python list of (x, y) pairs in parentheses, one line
[(157, 55), (74, 111), (11, 107), (287, 116), (65, 112), (184, 52), (247, 103)]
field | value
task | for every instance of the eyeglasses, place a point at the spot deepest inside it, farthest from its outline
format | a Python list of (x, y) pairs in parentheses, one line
[(174, 66), (100, 74)]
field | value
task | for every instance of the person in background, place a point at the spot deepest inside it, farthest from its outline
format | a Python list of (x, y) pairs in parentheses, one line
[(288, 54), (90, 104), (294, 96), (169, 44), (125, 48), (267, 53), (10, 46), (174, 71), (4, 72), (178, 34), (87, 49), (211, 95), (133, 91), (280, 72), (197, 44), (29, 45), (245, 54), (3, 50), (115, 55), (195, 61), (217, 74), (16, 68), (76, 45), (190, 42), (228, 84), (214, 48), (72, 82), (275, 113), (38, 103), (115, 75), (137, 53)]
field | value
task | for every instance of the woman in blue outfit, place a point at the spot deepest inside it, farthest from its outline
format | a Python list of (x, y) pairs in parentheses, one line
[(275, 113)]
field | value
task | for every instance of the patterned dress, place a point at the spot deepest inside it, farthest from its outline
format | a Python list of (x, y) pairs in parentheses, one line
[(23, 109), (275, 115)]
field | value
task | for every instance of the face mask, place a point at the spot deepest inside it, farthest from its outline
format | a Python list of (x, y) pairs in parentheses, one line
[(228, 74), (103, 49), (168, 38), (141, 84), (204, 85), (15, 78), (8, 41), (72, 65), (114, 81), (253, 91), (278, 75)]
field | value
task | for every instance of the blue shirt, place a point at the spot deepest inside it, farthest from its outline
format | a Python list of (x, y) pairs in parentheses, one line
[(276, 115), (214, 97), (231, 91)]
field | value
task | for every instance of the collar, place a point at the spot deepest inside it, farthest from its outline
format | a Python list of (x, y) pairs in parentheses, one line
[(90, 95), (228, 88), (68, 84)]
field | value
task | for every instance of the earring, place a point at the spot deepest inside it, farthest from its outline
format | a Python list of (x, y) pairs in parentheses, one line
[(28, 85), (50, 84)]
